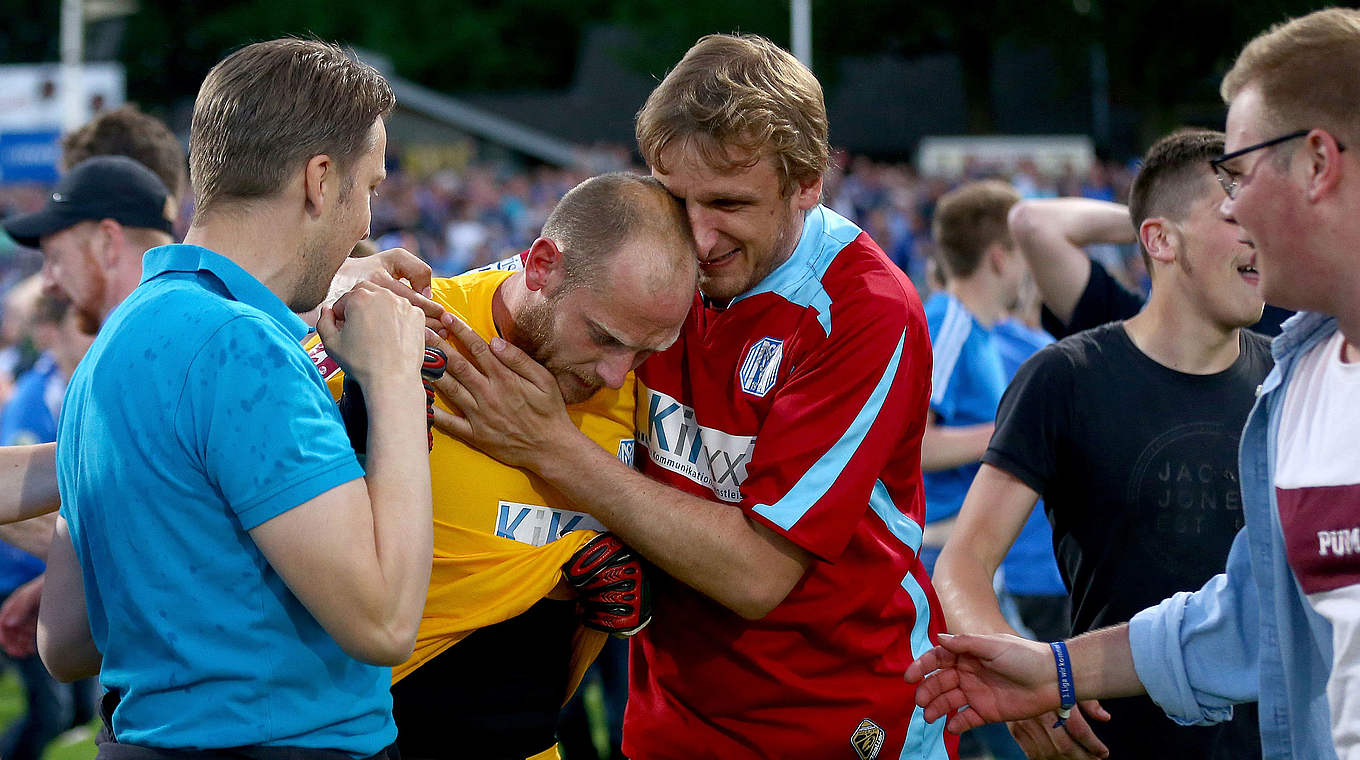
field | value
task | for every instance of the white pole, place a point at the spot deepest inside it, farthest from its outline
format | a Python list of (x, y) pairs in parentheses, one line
[(800, 25), (72, 60)]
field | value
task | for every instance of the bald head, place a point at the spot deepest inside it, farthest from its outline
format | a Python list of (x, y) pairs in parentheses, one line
[(602, 216)]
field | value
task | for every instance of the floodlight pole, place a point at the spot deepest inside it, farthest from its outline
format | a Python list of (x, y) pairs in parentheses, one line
[(72, 64), (800, 28)]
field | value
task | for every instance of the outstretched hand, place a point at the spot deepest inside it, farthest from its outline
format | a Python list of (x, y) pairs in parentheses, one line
[(985, 679), (508, 405)]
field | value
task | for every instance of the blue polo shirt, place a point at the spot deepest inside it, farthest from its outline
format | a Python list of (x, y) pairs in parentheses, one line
[(195, 417)]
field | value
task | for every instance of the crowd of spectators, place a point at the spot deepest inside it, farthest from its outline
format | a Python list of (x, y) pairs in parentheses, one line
[(460, 219), (457, 220)]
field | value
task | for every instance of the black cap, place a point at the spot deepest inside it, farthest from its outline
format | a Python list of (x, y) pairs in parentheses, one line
[(103, 187)]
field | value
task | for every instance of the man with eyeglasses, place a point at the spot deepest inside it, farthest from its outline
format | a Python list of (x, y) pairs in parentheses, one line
[(1282, 623)]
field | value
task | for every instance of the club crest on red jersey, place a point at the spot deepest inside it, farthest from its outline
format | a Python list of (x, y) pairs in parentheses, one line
[(761, 366), (867, 739)]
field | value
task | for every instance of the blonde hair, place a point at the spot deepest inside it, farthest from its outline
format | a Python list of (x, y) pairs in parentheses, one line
[(1307, 71), (743, 92)]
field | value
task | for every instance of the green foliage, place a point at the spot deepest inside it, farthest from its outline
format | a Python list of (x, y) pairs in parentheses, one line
[(28, 33), (1164, 57), (453, 45)]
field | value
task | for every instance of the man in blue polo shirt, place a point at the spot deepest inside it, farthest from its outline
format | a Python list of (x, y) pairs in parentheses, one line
[(221, 559)]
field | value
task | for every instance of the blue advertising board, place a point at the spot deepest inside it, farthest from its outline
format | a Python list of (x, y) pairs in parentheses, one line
[(29, 156)]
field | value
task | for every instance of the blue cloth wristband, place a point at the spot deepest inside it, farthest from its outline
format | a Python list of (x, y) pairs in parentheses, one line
[(1067, 689)]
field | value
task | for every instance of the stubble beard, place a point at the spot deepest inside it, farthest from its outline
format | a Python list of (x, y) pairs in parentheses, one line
[(785, 240), (90, 319), (315, 284), (534, 336)]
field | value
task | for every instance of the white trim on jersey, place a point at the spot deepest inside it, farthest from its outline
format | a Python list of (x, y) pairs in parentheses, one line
[(955, 328)]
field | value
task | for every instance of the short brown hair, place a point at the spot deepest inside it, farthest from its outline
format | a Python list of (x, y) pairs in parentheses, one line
[(126, 131), (739, 91), (1175, 172), (597, 217), (968, 221), (1307, 71), (268, 108)]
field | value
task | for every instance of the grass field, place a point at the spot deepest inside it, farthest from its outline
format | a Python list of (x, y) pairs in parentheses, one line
[(76, 745)]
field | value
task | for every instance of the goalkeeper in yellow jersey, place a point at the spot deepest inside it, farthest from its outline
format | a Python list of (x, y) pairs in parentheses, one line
[(523, 588)]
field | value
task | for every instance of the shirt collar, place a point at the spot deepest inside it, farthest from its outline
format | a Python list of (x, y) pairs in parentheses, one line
[(1301, 332), (239, 284)]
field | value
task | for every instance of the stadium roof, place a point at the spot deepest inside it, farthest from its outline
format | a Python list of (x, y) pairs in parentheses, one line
[(474, 121)]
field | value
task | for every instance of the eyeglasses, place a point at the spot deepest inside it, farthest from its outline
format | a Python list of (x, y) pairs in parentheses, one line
[(1231, 180)]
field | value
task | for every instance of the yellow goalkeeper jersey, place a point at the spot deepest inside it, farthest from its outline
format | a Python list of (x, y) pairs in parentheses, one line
[(501, 534)]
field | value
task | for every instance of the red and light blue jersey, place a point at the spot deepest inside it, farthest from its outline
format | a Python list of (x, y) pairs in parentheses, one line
[(802, 403)]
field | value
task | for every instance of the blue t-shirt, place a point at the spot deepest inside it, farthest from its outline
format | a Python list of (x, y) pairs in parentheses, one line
[(967, 381), (28, 417), (195, 417), (1030, 566)]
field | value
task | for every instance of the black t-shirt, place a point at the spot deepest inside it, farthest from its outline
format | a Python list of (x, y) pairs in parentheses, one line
[(1106, 300), (1137, 465)]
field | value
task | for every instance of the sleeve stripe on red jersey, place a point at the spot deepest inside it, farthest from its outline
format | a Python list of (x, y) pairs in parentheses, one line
[(818, 479), (948, 346), (904, 528), (924, 740)]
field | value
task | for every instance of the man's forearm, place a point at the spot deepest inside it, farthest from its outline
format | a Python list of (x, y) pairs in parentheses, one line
[(33, 535), (711, 547), (1051, 234), (944, 448), (963, 582), (1102, 664), (398, 481), (28, 481)]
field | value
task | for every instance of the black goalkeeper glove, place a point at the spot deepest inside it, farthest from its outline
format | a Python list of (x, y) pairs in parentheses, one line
[(614, 594), (354, 411), (431, 370)]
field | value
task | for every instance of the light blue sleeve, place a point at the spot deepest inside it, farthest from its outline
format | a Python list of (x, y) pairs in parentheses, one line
[(263, 423), (1197, 653)]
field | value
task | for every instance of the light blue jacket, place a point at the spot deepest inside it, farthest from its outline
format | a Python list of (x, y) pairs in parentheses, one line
[(1249, 633)]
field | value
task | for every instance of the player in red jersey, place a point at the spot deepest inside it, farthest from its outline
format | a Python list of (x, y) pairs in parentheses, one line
[(782, 437)]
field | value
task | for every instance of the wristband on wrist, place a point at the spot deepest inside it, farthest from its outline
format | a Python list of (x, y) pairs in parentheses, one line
[(1067, 689)]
